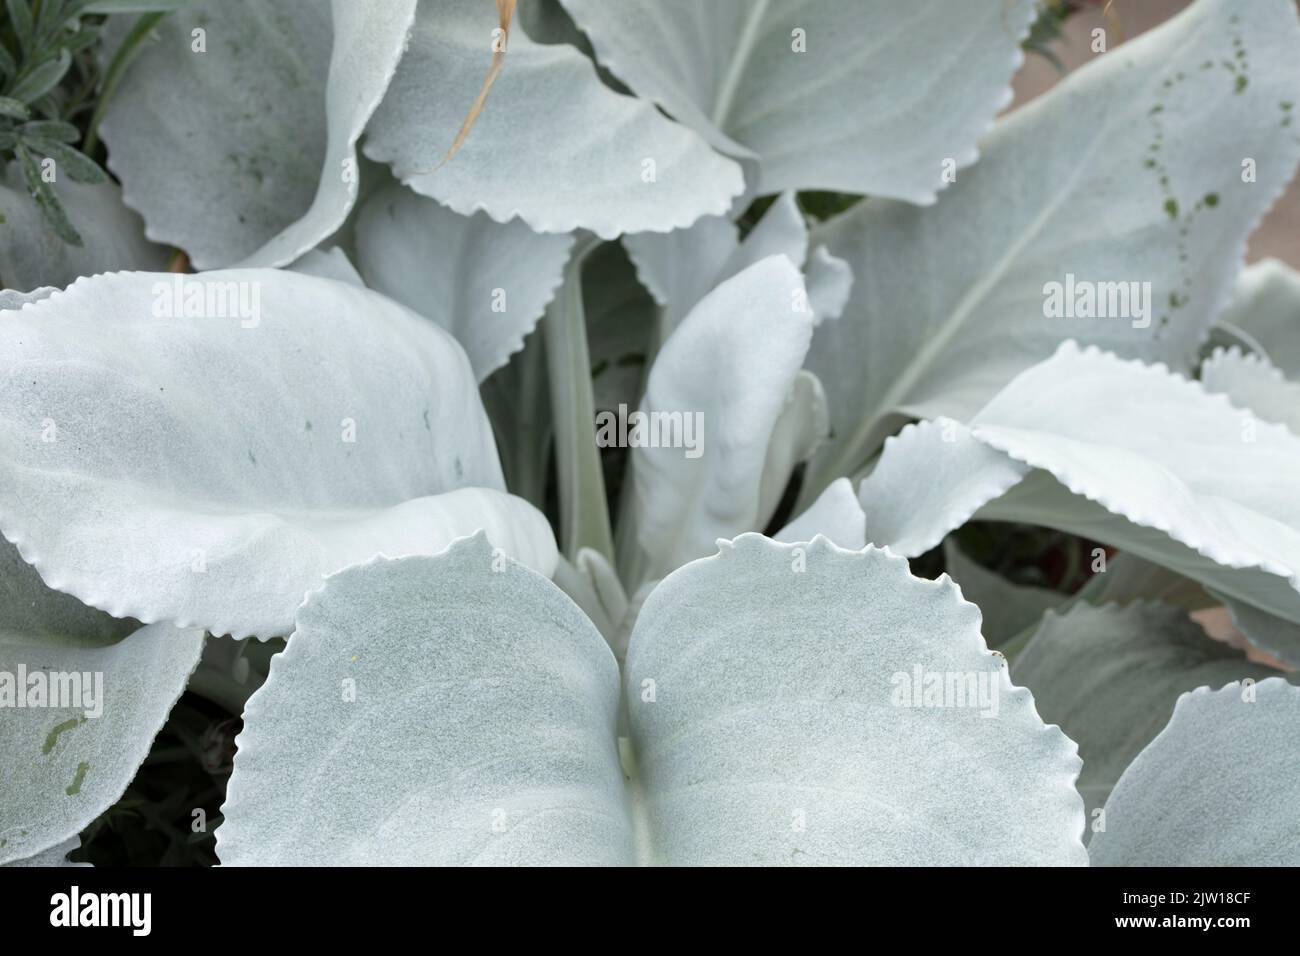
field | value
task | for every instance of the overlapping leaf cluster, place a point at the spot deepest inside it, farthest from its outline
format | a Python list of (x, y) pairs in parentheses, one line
[(365, 428)]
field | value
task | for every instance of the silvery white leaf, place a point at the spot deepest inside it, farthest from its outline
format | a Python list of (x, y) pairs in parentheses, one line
[(503, 698), (66, 764), (1266, 307), (112, 236), (802, 425), (1109, 676), (681, 268), (950, 303), (1251, 382), (246, 151), (836, 516), (1118, 452), (773, 79), (553, 145), (730, 365), (328, 264), (209, 468), (830, 281), (781, 231), (54, 856), (432, 710), (13, 299), (1007, 608), (592, 583), (769, 696), (961, 475), (1149, 462), (485, 282), (31, 610), (1228, 759)]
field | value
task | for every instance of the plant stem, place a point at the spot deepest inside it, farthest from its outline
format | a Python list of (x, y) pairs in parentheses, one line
[(584, 512), (125, 55), (529, 453)]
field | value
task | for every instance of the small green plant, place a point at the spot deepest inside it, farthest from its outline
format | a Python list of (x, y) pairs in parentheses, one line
[(48, 79)]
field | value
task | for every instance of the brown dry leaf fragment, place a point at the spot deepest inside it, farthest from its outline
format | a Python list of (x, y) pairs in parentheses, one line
[(179, 262), (505, 14)]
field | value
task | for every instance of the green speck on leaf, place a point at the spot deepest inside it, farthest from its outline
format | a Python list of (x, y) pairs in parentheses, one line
[(78, 779), (1171, 207), (53, 737), (1211, 199), (1241, 84)]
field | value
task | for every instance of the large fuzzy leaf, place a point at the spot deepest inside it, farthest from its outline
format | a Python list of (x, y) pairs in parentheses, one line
[(764, 690), (246, 152), (447, 710), (862, 97), (31, 255), (1187, 480), (1119, 452), (1145, 147), (553, 145), (65, 765), (210, 469), (460, 709), (1227, 761), (1109, 676), (732, 362), (485, 282)]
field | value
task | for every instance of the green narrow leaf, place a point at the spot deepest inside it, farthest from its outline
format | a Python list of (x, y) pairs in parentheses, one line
[(20, 15), (584, 516), (46, 106), (125, 54), (80, 168), (76, 42), (8, 67), (49, 18), (46, 200), (135, 6), (13, 108), (42, 79), (49, 129)]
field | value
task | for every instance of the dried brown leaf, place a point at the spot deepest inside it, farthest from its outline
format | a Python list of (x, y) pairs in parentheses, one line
[(505, 16)]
